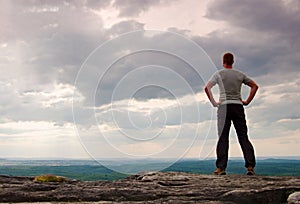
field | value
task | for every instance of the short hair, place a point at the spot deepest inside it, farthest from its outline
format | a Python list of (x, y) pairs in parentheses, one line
[(228, 58)]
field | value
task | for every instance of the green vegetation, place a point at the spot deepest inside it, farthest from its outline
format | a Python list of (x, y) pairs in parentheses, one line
[(268, 167), (85, 170), (78, 172), (49, 178)]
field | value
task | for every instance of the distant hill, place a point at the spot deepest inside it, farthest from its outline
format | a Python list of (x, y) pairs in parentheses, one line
[(90, 170)]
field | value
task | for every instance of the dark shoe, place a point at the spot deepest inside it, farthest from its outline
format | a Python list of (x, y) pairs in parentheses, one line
[(220, 171), (250, 171)]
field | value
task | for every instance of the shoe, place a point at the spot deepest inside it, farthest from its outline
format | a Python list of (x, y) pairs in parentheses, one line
[(220, 171), (250, 171)]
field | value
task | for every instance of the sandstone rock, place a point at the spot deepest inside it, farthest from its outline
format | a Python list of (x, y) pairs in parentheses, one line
[(154, 187), (294, 198)]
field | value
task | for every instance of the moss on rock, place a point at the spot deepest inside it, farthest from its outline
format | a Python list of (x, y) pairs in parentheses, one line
[(49, 178)]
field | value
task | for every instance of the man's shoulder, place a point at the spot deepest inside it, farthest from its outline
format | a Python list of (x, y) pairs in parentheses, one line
[(231, 71), (216, 74)]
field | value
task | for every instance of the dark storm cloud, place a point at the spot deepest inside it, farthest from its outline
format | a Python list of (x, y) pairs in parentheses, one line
[(45, 43), (255, 56), (153, 64), (50, 40), (280, 17), (262, 34), (53, 37), (57, 37)]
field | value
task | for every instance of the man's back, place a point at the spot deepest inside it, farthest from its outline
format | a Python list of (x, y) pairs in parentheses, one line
[(230, 82)]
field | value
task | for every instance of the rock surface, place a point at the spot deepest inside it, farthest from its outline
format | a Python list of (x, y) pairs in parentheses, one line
[(156, 187), (294, 198)]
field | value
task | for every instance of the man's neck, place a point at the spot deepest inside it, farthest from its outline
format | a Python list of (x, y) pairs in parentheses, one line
[(226, 66)]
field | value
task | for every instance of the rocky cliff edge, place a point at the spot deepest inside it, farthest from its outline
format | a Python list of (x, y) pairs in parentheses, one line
[(155, 187)]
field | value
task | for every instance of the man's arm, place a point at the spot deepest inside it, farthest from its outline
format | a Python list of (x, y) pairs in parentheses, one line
[(210, 95), (254, 88)]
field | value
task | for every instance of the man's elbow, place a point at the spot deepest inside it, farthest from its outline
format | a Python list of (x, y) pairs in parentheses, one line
[(253, 85), (206, 89)]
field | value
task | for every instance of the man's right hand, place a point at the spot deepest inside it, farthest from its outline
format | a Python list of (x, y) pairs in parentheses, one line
[(210, 95), (216, 104)]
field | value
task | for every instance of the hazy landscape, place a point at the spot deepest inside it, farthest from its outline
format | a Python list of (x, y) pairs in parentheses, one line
[(90, 170)]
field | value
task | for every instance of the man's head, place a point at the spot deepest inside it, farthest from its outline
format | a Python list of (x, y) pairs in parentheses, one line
[(228, 59)]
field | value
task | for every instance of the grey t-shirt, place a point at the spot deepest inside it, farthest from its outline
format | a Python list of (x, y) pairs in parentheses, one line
[(230, 82)]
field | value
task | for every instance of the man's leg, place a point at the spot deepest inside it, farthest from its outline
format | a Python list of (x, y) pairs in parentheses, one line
[(239, 122), (224, 124)]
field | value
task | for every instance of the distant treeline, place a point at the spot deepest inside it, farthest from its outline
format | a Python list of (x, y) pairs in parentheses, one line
[(88, 172)]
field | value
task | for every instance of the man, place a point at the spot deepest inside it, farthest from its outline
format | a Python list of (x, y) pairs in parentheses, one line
[(230, 108)]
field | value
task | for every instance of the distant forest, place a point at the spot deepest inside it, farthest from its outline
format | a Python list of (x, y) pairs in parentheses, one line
[(89, 170)]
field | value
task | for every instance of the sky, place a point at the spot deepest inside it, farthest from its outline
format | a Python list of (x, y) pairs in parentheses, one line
[(125, 78)]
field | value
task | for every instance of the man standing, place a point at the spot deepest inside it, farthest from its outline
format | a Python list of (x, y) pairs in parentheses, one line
[(230, 108)]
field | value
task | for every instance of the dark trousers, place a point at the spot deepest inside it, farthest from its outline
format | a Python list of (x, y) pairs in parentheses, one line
[(234, 113)]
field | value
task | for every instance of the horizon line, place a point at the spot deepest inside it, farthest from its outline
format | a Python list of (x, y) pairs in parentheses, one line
[(138, 159)]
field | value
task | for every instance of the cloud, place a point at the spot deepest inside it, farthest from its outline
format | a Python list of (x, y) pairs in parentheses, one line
[(124, 27), (97, 4), (278, 18), (262, 35), (52, 103), (43, 45), (62, 94), (134, 7), (155, 112), (40, 139), (276, 97), (47, 47)]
